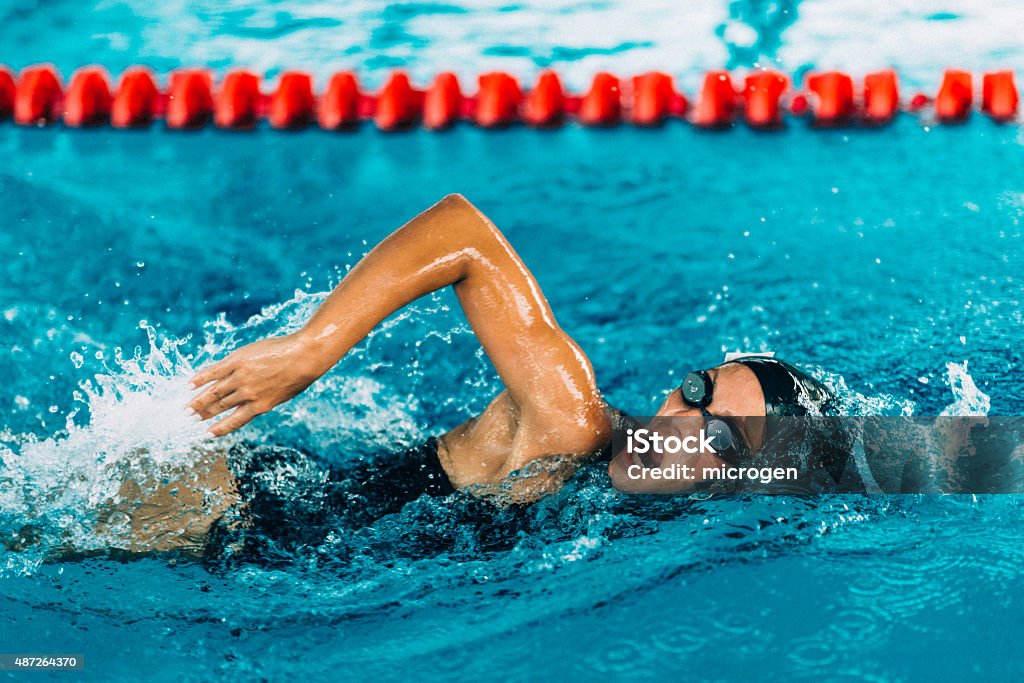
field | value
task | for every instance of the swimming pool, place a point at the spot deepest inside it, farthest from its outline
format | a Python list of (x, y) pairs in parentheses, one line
[(887, 259), (623, 229)]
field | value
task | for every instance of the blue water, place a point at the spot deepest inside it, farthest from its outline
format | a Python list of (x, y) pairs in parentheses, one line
[(887, 261), (878, 257)]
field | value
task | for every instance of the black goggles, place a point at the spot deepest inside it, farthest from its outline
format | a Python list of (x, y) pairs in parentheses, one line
[(698, 390)]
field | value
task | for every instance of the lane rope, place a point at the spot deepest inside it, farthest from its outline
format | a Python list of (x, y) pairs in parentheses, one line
[(763, 100)]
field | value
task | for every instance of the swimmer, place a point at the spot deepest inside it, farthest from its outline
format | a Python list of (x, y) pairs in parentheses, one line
[(233, 500), (551, 417), (753, 412)]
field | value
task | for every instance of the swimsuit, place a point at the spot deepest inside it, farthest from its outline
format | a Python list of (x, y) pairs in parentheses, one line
[(290, 501)]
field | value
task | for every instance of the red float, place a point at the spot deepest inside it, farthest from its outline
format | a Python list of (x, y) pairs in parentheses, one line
[(37, 99), (678, 105), (799, 106), (292, 104), (717, 104), (398, 105), (7, 93), (238, 102), (999, 98), (953, 103), (653, 99), (881, 97), (367, 105), (87, 101), (467, 109), (498, 101), (136, 100), (833, 92), (339, 105), (602, 105), (189, 99), (762, 92), (442, 105), (545, 105)]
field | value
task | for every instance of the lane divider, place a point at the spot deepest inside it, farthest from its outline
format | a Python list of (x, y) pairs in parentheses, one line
[(192, 100)]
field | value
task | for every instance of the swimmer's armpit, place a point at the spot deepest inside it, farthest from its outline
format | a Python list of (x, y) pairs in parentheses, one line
[(451, 243)]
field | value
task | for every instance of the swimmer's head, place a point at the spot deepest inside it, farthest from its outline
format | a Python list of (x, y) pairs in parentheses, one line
[(753, 402), (733, 409)]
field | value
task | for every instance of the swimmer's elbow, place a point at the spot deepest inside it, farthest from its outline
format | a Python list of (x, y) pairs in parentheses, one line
[(456, 201), (469, 217), (470, 227), (460, 216)]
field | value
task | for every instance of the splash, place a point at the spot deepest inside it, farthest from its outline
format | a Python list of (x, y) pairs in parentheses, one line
[(968, 399), (129, 424), (53, 488), (753, 32), (853, 402)]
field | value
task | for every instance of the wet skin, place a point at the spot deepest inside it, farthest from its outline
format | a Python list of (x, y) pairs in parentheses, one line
[(550, 409), (737, 395)]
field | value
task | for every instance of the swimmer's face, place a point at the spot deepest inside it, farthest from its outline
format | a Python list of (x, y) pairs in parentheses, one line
[(737, 395), (631, 470)]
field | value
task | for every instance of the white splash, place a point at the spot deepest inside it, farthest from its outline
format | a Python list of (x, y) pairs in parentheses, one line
[(968, 399), (131, 420)]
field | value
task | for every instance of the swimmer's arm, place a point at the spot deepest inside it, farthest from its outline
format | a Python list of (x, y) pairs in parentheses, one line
[(547, 376)]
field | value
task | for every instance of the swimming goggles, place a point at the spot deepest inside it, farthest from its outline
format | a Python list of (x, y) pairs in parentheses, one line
[(698, 391)]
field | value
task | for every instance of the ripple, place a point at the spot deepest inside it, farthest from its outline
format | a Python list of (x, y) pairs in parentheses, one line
[(855, 627), (735, 623), (681, 640), (626, 659), (813, 653)]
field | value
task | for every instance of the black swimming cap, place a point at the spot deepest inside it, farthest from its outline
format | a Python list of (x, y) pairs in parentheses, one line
[(787, 390), (792, 393)]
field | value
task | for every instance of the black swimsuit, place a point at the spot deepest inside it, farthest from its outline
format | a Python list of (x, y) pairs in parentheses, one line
[(290, 501)]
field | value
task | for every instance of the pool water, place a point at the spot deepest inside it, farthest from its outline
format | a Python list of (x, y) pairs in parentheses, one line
[(887, 261)]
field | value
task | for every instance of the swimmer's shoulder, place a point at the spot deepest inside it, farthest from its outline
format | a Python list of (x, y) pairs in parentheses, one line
[(486, 449)]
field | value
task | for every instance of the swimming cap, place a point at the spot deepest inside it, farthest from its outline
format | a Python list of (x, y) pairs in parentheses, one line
[(792, 393), (787, 390)]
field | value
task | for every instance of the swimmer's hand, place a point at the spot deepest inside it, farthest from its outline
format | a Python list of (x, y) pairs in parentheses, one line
[(253, 380)]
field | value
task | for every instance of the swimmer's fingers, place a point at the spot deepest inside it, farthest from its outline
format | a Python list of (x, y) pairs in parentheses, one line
[(241, 417), (213, 400), (222, 405), (210, 373)]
